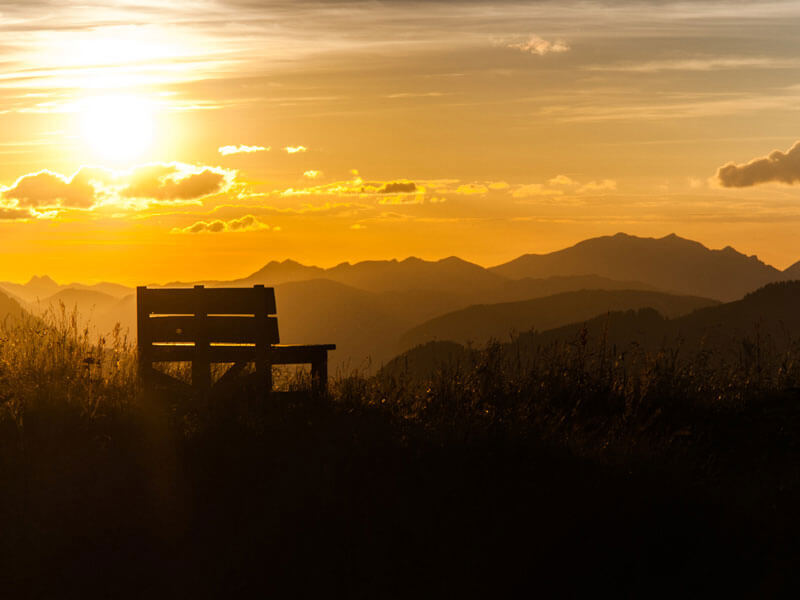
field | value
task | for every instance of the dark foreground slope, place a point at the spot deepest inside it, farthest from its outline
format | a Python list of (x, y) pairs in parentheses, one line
[(557, 480)]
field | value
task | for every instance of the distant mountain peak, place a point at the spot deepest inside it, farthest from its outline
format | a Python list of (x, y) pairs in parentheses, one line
[(41, 280), (669, 263)]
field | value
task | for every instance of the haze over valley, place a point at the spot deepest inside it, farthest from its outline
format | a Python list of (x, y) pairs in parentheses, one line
[(375, 310)]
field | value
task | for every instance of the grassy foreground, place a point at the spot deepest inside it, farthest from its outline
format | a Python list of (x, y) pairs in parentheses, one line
[(568, 471)]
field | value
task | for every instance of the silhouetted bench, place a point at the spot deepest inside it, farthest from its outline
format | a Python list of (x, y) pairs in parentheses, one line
[(218, 325)]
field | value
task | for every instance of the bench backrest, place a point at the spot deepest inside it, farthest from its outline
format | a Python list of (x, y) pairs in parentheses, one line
[(202, 316)]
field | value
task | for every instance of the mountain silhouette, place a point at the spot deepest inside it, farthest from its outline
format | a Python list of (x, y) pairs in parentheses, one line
[(39, 286), (374, 309), (792, 272), (768, 317), (482, 322), (670, 263), (9, 308), (451, 274), (528, 288), (43, 287), (765, 321)]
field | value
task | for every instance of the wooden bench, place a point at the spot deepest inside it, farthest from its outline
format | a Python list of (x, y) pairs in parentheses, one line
[(218, 325)]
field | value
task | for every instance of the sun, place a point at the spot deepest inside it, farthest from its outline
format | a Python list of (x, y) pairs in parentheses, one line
[(117, 128)]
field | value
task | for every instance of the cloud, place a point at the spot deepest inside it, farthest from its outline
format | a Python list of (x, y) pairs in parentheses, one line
[(312, 174), (46, 194), (242, 149), (498, 185), (175, 181), (606, 185), (539, 46), (415, 95), (534, 189), (356, 186), (47, 189), (402, 200), (246, 223), (14, 214), (562, 180), (469, 189), (398, 187), (295, 149), (778, 167), (697, 64), (556, 187)]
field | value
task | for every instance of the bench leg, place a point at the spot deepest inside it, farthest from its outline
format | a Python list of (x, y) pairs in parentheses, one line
[(201, 374), (319, 374), (264, 373)]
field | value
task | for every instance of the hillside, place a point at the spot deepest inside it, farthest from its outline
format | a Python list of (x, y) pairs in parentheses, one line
[(9, 308), (669, 263), (321, 311), (529, 287), (40, 288), (97, 310), (766, 320), (792, 272), (482, 322)]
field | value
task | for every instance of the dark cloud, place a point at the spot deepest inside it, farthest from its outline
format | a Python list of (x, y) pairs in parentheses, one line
[(14, 214), (398, 187), (246, 223), (782, 167), (46, 189), (169, 182)]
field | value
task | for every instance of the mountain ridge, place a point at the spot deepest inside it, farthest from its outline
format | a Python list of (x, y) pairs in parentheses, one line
[(670, 263)]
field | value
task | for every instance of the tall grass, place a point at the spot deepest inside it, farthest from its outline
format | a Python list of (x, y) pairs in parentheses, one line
[(425, 484), (50, 361), (53, 363)]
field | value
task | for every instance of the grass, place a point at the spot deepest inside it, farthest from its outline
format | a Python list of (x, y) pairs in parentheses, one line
[(565, 469)]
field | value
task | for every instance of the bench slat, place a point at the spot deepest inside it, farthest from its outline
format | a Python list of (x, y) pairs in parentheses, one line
[(231, 330), (223, 301), (277, 355)]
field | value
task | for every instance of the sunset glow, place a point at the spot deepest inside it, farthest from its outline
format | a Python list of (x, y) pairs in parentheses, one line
[(117, 127), (540, 124)]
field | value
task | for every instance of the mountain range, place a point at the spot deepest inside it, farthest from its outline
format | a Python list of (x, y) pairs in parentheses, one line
[(479, 323), (670, 263), (374, 309), (765, 323)]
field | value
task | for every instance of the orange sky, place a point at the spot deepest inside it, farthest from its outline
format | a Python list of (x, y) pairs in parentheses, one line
[(154, 141)]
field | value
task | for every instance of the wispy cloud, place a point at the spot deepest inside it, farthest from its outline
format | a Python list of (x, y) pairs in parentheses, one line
[(356, 186), (540, 46), (605, 185), (295, 149), (697, 64), (241, 225), (561, 185), (241, 149), (415, 95)]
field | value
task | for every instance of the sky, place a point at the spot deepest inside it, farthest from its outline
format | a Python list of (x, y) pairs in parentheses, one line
[(153, 141)]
